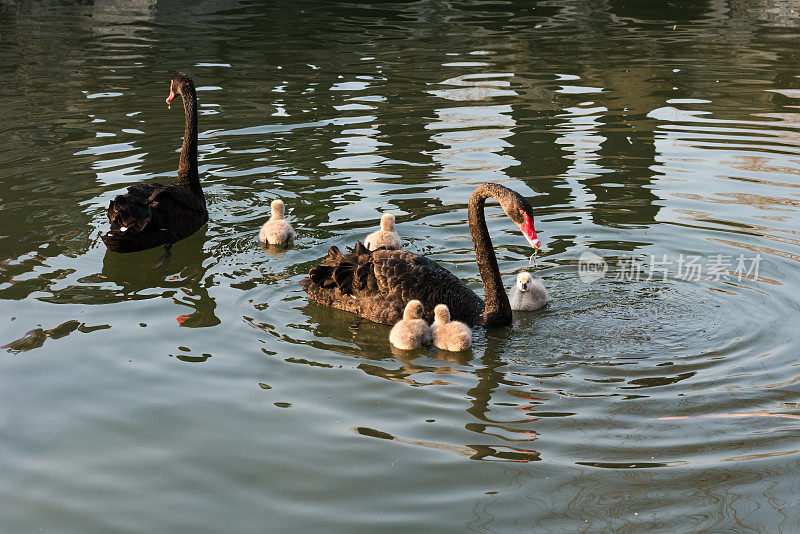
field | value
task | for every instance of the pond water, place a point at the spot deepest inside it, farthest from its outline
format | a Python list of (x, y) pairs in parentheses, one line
[(658, 390)]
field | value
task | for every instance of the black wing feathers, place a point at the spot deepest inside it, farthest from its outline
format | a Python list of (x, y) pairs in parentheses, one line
[(151, 214), (378, 284)]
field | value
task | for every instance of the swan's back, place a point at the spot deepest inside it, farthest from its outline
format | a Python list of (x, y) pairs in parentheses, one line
[(377, 285), (150, 214)]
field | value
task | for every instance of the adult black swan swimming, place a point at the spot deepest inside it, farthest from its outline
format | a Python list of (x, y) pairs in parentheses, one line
[(149, 214), (377, 285)]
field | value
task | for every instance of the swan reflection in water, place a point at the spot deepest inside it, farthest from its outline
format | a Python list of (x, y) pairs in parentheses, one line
[(135, 276), (181, 273)]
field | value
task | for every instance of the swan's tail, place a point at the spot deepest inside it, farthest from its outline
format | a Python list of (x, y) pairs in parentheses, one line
[(127, 213), (128, 217), (345, 272)]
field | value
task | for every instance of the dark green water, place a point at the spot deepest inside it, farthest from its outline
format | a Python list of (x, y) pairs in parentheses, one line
[(648, 400)]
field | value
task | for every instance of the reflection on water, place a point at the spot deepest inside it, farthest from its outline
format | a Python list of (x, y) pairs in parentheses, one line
[(637, 131), (180, 272)]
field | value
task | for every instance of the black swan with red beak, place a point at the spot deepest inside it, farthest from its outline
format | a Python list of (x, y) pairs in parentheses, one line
[(149, 215), (377, 285)]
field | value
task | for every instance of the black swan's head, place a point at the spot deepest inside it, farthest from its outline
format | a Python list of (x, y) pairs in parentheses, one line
[(519, 210), (181, 84)]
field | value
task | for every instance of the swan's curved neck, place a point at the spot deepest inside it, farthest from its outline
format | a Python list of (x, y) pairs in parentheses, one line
[(498, 310), (187, 166)]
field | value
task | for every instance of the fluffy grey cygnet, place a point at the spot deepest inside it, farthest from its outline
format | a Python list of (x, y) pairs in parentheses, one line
[(387, 237), (528, 294), (412, 331), (277, 230), (449, 335)]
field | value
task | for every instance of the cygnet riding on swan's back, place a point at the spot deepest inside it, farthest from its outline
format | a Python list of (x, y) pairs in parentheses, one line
[(277, 230), (449, 335), (527, 294), (412, 331), (387, 237)]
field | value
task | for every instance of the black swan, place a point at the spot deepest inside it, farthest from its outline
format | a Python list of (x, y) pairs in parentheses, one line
[(149, 214), (377, 285), (454, 336), (412, 331)]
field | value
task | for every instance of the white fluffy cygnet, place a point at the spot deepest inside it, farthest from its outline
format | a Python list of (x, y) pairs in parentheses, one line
[(412, 331), (528, 294), (277, 230), (449, 335), (387, 237)]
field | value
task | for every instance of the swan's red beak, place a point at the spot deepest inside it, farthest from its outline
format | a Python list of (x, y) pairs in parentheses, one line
[(529, 231), (171, 96)]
